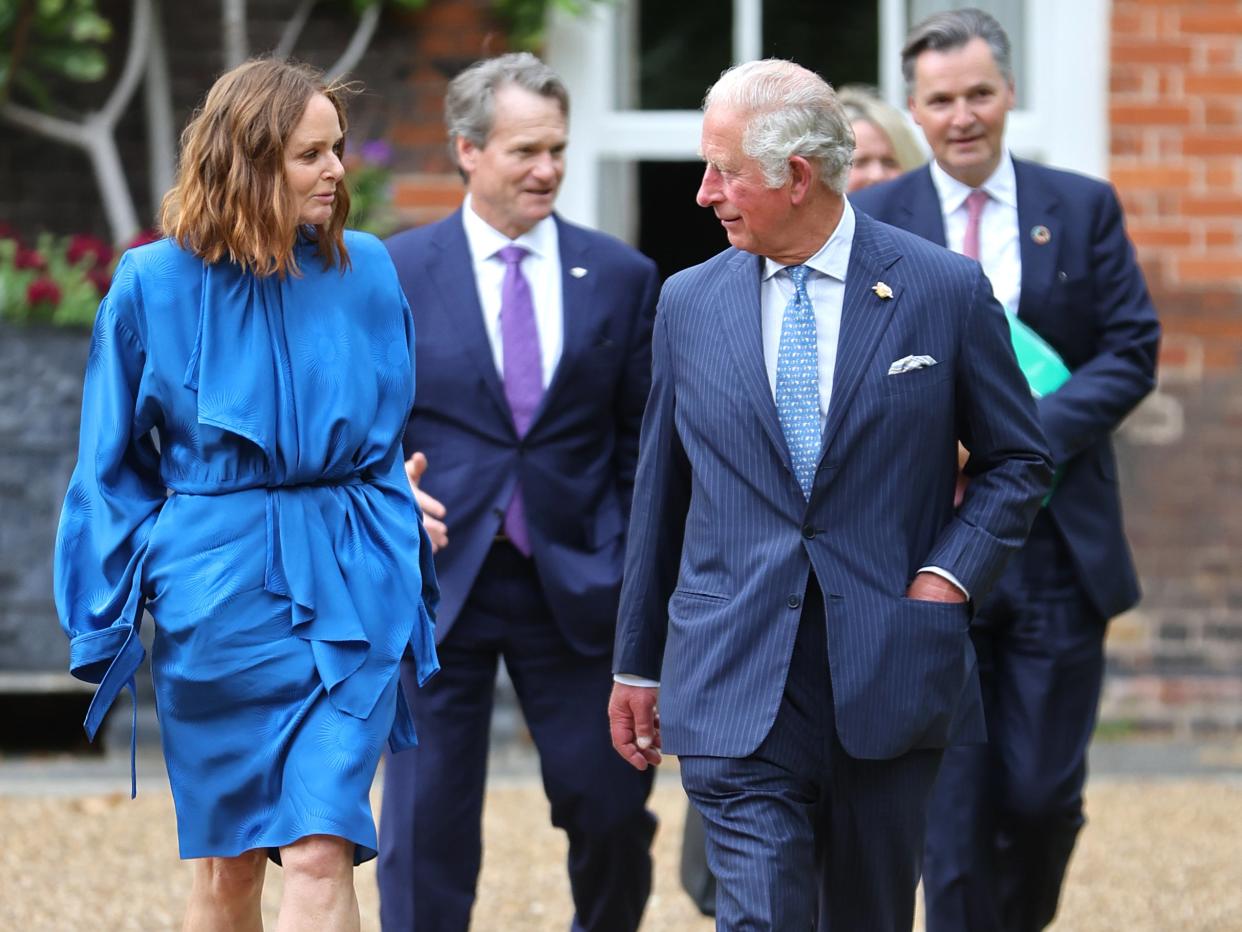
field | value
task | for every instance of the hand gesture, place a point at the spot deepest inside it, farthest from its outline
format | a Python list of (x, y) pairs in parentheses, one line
[(433, 510)]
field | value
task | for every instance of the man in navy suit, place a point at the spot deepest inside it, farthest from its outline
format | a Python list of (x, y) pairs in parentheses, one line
[(532, 368), (797, 580), (1004, 817)]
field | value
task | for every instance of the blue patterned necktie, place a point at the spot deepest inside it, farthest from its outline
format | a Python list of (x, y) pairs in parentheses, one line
[(797, 382)]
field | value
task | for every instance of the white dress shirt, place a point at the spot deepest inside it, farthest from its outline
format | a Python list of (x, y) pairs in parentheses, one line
[(542, 268), (999, 251)]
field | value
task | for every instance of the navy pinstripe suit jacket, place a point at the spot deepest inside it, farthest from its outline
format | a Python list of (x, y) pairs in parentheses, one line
[(722, 540)]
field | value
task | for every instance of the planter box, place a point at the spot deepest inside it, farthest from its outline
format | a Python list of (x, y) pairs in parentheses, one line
[(41, 371)]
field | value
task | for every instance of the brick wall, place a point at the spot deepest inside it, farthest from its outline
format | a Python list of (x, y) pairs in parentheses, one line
[(1176, 129), (444, 38)]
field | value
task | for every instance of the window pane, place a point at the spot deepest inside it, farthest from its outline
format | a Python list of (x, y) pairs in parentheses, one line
[(1011, 14), (672, 229), (840, 41), (682, 49)]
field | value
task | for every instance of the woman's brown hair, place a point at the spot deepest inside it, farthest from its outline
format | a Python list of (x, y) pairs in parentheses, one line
[(231, 198)]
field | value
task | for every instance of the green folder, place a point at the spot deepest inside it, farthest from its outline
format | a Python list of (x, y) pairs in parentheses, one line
[(1043, 367)]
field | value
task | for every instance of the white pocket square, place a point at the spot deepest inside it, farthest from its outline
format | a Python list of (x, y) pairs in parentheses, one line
[(910, 363)]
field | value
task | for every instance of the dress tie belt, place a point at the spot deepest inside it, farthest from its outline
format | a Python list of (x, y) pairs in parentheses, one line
[(356, 640)]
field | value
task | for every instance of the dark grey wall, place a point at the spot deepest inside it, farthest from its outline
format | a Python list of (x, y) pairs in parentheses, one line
[(40, 396)]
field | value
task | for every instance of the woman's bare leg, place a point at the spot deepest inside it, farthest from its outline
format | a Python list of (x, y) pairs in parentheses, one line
[(225, 894), (319, 886)]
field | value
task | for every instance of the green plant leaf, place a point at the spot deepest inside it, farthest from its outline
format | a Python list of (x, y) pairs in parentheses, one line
[(90, 27)]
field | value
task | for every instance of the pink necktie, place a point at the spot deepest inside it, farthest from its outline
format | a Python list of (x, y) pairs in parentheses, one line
[(975, 202)]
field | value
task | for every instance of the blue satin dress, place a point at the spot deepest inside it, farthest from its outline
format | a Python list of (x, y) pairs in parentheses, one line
[(240, 473)]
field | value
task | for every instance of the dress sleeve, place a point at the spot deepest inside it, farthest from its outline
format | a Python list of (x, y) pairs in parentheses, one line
[(389, 474), (110, 507)]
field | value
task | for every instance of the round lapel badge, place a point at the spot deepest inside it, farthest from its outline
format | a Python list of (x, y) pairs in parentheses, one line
[(1041, 235)]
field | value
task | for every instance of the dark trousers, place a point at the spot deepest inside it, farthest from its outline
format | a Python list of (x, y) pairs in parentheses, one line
[(430, 846), (1004, 817), (696, 877), (799, 834)]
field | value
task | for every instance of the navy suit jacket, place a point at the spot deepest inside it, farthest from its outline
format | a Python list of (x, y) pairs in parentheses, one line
[(576, 462), (722, 540), (1083, 292)]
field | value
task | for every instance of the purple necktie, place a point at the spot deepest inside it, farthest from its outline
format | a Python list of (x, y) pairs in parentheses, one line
[(523, 372)]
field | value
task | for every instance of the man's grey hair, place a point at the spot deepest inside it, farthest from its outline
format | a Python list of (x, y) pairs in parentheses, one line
[(790, 111), (943, 32), (469, 104)]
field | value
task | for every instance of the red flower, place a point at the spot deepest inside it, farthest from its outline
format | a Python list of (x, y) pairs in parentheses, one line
[(141, 239), (84, 247), (43, 291), (100, 278), (29, 259), (7, 232)]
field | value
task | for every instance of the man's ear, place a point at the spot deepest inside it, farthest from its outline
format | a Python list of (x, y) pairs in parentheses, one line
[(914, 113), (802, 174), (467, 154)]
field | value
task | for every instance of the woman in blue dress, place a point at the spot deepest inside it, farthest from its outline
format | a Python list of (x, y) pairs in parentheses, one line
[(240, 474)]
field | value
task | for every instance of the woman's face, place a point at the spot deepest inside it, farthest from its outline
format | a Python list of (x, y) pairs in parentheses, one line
[(312, 161), (874, 159)]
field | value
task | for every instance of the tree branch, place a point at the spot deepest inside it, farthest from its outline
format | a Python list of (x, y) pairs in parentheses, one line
[(293, 29), (358, 43), (110, 174), (135, 62), (236, 46), (44, 124), (161, 128), (96, 132), (21, 32)]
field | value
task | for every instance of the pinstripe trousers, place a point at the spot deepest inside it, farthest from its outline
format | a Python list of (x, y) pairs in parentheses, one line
[(799, 834)]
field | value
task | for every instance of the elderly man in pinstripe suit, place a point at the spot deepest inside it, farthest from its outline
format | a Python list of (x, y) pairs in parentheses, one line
[(798, 585)]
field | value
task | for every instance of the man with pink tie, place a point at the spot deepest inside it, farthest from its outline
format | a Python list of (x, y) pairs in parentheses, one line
[(1005, 816)]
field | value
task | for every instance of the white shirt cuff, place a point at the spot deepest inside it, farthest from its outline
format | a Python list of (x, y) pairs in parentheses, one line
[(945, 574), (629, 679)]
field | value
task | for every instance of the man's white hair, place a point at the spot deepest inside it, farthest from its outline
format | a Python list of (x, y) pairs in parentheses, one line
[(790, 111)]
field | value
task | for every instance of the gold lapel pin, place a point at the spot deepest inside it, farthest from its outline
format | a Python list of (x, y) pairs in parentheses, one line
[(577, 271), (1041, 235), (882, 291)]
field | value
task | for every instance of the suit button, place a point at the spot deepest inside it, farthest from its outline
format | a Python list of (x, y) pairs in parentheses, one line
[(793, 601), (808, 532)]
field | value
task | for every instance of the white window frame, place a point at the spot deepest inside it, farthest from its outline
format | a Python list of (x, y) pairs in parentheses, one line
[(1064, 121)]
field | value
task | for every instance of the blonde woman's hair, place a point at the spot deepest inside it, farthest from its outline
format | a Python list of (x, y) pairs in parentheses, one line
[(231, 198), (864, 103)]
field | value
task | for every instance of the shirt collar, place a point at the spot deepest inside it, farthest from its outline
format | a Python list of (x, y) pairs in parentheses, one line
[(1002, 186), (832, 258), (485, 240)]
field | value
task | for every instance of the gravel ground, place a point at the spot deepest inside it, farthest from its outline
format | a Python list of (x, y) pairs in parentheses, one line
[(1159, 854)]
